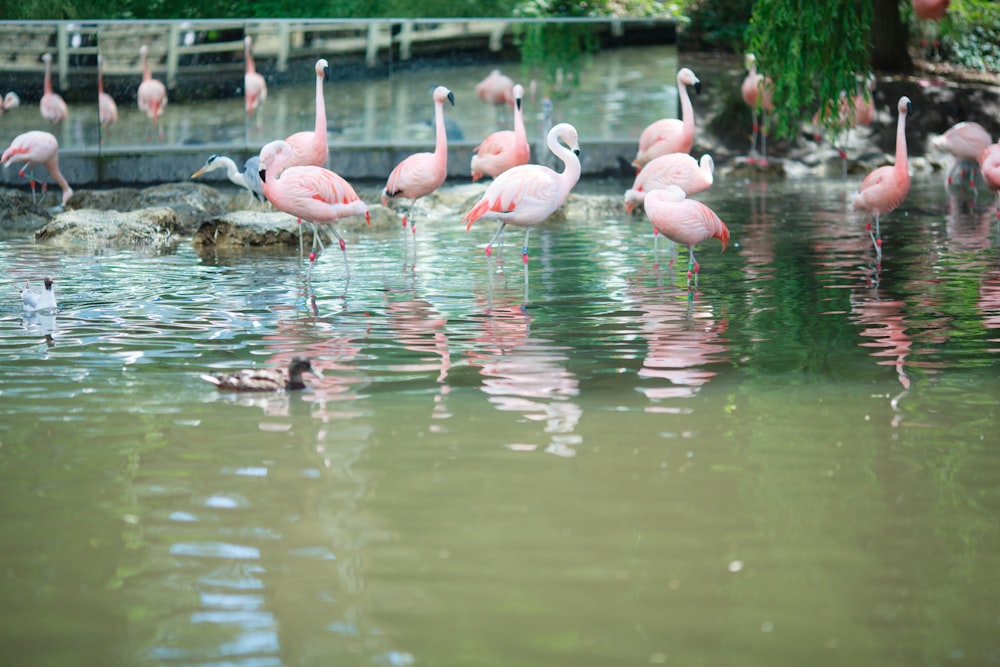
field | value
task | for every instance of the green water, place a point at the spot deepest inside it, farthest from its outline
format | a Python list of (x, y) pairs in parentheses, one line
[(798, 465)]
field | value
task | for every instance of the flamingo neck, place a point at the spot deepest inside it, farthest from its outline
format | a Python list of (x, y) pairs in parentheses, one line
[(48, 78), (320, 108), (519, 132), (901, 153), (440, 134), (687, 111), (571, 170), (147, 75), (53, 167), (251, 66)]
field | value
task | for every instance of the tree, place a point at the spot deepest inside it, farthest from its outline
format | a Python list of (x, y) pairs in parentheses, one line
[(813, 55)]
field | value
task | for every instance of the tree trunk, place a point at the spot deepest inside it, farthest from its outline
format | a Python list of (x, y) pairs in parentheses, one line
[(890, 38)]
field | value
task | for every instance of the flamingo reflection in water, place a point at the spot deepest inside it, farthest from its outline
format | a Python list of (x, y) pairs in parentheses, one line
[(526, 374), (420, 328), (684, 340), (886, 333)]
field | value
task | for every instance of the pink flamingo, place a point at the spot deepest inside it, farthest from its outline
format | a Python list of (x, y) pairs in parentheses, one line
[(989, 164), (107, 109), (671, 169), (930, 10), (52, 105), (504, 149), (758, 93), (964, 142), (9, 102), (152, 92), (421, 173), (684, 221), (314, 194), (310, 147), (852, 112), (884, 189), (37, 147), (496, 88), (254, 86), (528, 194), (669, 135)]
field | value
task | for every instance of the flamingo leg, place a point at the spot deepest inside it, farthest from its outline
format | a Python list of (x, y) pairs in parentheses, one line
[(312, 254), (763, 138), (489, 261), (656, 247), (343, 249), (752, 157), (692, 268), (876, 237), (524, 260)]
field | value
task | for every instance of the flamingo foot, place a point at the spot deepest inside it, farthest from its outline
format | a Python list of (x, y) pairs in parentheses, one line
[(312, 256), (343, 245), (489, 251), (524, 254)]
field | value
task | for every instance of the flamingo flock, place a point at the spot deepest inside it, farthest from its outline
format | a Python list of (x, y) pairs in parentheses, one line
[(293, 176)]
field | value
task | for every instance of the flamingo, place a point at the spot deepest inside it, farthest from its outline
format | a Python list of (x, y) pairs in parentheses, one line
[(52, 105), (671, 169), (504, 149), (248, 178), (254, 86), (528, 194), (10, 102), (669, 135), (684, 221), (107, 109), (152, 95), (884, 189), (496, 88), (310, 147), (989, 164), (421, 173), (930, 10), (964, 142), (858, 109), (314, 194), (37, 147), (758, 93)]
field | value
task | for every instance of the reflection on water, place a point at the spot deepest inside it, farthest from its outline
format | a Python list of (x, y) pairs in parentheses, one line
[(794, 414)]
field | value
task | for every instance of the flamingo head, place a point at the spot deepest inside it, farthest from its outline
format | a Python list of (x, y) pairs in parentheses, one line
[(905, 106), (143, 50), (686, 77), (518, 95), (323, 69), (274, 157), (441, 94), (707, 163), (568, 135), (750, 61)]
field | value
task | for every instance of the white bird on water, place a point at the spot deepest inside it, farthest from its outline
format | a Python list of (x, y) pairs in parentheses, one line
[(39, 301)]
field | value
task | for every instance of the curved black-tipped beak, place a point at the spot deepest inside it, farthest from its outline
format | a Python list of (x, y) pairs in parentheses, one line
[(262, 175), (451, 98), (576, 152), (909, 108), (326, 73), (517, 103), (697, 87)]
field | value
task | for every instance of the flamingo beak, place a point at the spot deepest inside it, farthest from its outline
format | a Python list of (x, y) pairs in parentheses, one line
[(451, 98), (326, 73), (517, 103), (697, 87), (261, 173)]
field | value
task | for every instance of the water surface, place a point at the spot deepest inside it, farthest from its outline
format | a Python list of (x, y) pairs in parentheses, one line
[(795, 464)]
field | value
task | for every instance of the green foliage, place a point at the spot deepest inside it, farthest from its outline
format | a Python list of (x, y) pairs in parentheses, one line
[(970, 34), (718, 23), (811, 56)]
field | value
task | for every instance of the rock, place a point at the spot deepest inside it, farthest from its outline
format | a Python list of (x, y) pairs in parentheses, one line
[(252, 229), (192, 202), (147, 228), (19, 216)]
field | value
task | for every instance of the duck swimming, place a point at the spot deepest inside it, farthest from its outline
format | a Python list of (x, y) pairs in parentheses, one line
[(35, 301), (265, 379)]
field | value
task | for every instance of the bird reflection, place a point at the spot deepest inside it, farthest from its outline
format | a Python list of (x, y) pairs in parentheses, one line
[(527, 374), (885, 331), (989, 302), (683, 339), (420, 328)]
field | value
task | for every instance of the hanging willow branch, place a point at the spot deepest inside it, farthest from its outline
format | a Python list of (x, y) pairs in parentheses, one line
[(813, 52)]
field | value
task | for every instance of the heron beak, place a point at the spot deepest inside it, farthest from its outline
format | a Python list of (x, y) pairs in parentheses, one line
[(198, 173)]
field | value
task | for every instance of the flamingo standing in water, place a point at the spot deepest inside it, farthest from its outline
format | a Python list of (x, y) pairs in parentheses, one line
[(964, 142), (684, 221), (670, 135), (989, 164), (671, 169), (314, 194), (152, 96), (884, 189), (528, 194), (254, 86), (758, 93), (52, 105), (496, 88), (504, 149), (421, 173), (107, 110), (37, 147)]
